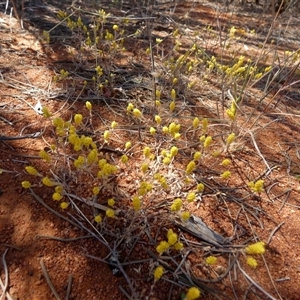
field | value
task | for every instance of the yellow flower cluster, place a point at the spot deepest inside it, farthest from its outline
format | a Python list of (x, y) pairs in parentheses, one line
[(256, 248), (257, 186), (172, 242), (176, 205), (145, 187), (210, 260), (192, 294), (136, 203), (158, 273)]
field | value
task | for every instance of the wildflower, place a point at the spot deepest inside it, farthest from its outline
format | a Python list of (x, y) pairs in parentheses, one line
[(88, 105), (157, 94), (210, 260), (252, 262), (192, 294), (207, 142), (202, 138), (64, 205), (158, 40), (173, 95), (124, 158), (158, 272), (106, 135), (57, 196), (204, 124), (174, 151), (44, 155), (177, 136), (96, 190), (200, 187), (46, 112), (110, 213), (185, 215), (111, 202), (59, 189), (172, 106), (144, 167), (136, 203), (191, 197), (48, 182), (197, 156), (128, 145), (257, 186), (166, 160), (172, 237), (136, 112), (230, 138), (190, 167), (31, 170), (226, 162), (98, 219), (78, 119), (26, 184), (178, 246), (157, 119), (113, 124), (165, 130), (130, 107), (147, 151), (115, 27), (162, 247), (225, 175), (196, 123), (176, 205), (256, 248), (152, 130)]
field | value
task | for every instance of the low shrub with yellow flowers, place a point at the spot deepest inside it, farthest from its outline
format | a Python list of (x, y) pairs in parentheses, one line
[(171, 155)]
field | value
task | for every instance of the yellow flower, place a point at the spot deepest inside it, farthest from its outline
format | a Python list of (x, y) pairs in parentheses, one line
[(124, 158), (114, 124), (197, 156), (152, 130), (185, 215), (59, 189), (210, 260), (200, 187), (158, 272), (78, 119), (162, 247), (178, 246), (157, 119), (111, 202), (44, 155), (136, 203), (31, 170), (252, 262), (147, 151), (172, 106), (98, 219), (48, 182), (192, 294), (176, 205), (130, 107), (191, 197), (64, 205), (165, 130), (144, 167), (166, 160), (204, 125), (226, 174), (128, 145), (173, 95), (110, 213), (256, 248), (57, 196), (190, 167), (157, 94), (226, 162), (137, 113), (106, 135), (88, 105), (115, 27), (196, 123), (26, 184), (257, 187), (172, 238), (46, 112), (207, 142), (96, 190), (230, 138), (174, 151)]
